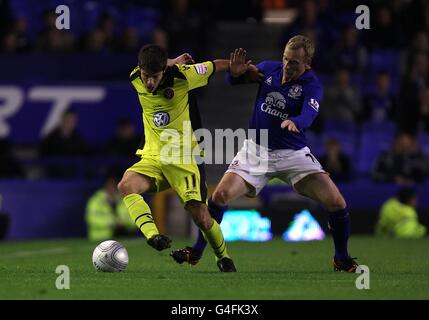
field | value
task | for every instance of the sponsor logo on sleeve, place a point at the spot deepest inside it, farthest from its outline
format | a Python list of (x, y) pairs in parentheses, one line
[(314, 104), (201, 68)]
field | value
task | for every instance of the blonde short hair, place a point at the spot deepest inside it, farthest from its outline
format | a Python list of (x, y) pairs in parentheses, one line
[(304, 42)]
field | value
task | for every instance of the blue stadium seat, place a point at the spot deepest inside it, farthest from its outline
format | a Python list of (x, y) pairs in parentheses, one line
[(384, 61), (32, 12), (92, 11), (347, 140), (345, 132), (358, 81), (379, 128), (345, 19), (424, 142), (145, 20), (375, 138), (314, 143), (340, 125), (324, 78)]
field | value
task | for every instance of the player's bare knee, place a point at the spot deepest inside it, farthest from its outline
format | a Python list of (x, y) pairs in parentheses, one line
[(120, 187), (125, 187), (221, 197), (336, 202)]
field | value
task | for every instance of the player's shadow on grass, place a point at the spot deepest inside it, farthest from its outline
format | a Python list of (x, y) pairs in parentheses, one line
[(271, 272)]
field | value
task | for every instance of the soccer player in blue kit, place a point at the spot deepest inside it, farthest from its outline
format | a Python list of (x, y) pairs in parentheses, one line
[(286, 104)]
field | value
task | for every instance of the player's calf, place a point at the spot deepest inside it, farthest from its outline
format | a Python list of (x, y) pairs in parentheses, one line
[(200, 215)]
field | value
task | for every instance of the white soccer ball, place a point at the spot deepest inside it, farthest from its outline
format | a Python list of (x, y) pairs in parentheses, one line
[(110, 256)]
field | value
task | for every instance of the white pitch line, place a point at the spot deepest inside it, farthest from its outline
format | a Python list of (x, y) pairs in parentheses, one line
[(20, 254)]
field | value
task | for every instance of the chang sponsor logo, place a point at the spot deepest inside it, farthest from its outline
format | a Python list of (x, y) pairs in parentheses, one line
[(274, 105)]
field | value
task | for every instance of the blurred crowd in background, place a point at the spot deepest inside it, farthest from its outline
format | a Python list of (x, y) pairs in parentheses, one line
[(376, 81), (112, 26)]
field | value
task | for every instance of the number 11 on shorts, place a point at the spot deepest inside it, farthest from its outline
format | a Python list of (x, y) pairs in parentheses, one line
[(191, 180)]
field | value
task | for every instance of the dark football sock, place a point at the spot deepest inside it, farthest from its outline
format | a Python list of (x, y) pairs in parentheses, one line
[(339, 225)]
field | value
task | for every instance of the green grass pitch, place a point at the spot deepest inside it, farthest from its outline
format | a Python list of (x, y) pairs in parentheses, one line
[(399, 269)]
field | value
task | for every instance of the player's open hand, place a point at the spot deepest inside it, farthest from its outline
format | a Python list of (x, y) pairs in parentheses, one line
[(290, 125), (237, 62), (185, 58)]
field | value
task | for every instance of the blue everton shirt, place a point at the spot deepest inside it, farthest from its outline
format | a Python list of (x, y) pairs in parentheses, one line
[(296, 100)]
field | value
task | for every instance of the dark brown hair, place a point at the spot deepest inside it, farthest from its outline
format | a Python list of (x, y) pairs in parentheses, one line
[(152, 58)]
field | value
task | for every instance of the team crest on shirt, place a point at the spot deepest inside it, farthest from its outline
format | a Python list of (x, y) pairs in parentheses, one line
[(161, 119), (295, 91), (314, 104), (169, 93), (201, 68)]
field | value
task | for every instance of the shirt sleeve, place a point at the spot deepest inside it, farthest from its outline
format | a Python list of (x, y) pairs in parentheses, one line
[(134, 75), (261, 66), (197, 75), (310, 109)]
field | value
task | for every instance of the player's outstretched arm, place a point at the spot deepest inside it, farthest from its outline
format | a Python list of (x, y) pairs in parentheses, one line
[(221, 65), (237, 63), (242, 71), (198, 75), (184, 58), (310, 109)]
